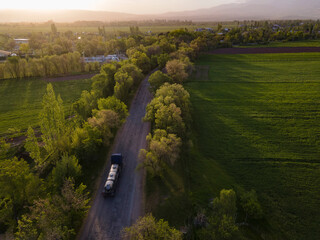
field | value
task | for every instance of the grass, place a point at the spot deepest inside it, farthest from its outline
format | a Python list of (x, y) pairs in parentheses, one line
[(257, 126), (21, 100), (305, 43)]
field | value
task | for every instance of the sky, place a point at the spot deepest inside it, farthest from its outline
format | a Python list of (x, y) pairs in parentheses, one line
[(127, 6)]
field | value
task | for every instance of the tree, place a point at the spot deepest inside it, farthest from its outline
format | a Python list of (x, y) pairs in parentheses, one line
[(114, 104), (163, 149), (19, 187), (24, 48), (147, 228), (54, 29), (32, 147), (86, 141), (85, 104), (109, 69), (67, 167), (4, 148), (133, 71), (157, 79), (177, 70), (56, 217), (169, 118), (162, 60), (123, 86), (142, 61), (167, 94), (53, 125), (102, 86), (226, 204), (13, 67), (107, 121), (250, 204)]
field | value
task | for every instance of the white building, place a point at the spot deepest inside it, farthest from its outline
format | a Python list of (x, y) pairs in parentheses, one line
[(21, 40)]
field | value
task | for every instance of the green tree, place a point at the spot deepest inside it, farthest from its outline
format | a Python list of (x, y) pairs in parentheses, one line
[(114, 104), (157, 79), (53, 125), (24, 48), (167, 94), (4, 148), (162, 60), (86, 141), (102, 86), (169, 118), (123, 86), (85, 104), (107, 121), (32, 147), (163, 149), (57, 217), (19, 187), (110, 69), (142, 61), (250, 204), (67, 167), (12, 67), (148, 228), (133, 71)]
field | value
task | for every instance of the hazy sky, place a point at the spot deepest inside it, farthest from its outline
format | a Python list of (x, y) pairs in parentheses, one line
[(128, 6)]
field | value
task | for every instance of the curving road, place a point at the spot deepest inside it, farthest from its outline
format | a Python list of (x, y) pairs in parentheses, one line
[(107, 217)]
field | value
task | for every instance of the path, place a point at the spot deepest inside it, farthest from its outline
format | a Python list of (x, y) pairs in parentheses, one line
[(107, 217)]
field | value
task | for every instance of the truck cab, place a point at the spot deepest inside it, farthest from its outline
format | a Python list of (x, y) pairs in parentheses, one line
[(109, 188)]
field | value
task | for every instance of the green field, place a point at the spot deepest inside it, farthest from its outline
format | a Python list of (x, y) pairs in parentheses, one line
[(25, 30), (21, 100), (256, 125), (306, 43)]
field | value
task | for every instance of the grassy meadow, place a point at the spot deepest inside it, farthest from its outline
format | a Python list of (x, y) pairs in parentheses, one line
[(256, 126), (21, 100)]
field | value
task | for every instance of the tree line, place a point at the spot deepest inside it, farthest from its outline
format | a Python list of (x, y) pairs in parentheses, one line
[(48, 66)]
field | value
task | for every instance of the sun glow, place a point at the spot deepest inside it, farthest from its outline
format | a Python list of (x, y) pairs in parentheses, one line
[(47, 5), (128, 6)]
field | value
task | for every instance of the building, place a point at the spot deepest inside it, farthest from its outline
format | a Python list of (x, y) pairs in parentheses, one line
[(102, 59), (21, 40), (4, 54), (203, 30)]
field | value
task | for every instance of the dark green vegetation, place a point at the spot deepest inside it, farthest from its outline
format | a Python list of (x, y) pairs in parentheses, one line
[(148, 227), (20, 100), (256, 125), (306, 43)]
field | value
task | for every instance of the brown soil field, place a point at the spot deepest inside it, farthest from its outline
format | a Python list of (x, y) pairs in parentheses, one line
[(265, 50)]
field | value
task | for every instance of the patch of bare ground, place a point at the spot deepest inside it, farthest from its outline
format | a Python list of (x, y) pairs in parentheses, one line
[(264, 50)]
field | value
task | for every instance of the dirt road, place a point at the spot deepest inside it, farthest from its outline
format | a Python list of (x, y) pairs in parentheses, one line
[(108, 216)]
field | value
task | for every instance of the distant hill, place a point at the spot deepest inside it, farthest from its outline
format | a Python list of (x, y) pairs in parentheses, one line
[(63, 16), (251, 10)]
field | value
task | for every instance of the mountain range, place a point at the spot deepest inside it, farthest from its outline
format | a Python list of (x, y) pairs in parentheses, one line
[(250, 10)]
